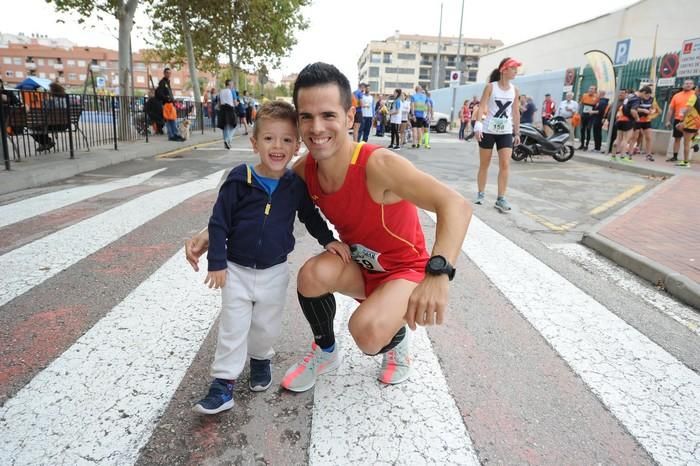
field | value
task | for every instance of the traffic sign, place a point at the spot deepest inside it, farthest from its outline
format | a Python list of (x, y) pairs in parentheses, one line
[(666, 82), (454, 78), (669, 65), (622, 52), (689, 63), (100, 81)]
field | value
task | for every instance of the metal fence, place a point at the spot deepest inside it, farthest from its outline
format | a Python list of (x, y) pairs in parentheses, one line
[(39, 124)]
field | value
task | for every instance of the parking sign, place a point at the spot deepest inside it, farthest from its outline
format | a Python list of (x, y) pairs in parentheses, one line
[(622, 52)]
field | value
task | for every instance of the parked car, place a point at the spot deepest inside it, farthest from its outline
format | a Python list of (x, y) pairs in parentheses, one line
[(440, 122)]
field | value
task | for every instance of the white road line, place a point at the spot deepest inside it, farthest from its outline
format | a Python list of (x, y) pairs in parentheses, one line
[(30, 265), (99, 402), (22, 210), (654, 395), (611, 272), (357, 420)]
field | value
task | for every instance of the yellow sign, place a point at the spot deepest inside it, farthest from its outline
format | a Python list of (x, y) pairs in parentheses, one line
[(603, 70)]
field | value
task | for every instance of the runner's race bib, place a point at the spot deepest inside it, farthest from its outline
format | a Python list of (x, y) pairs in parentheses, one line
[(366, 258), (500, 126), (587, 109)]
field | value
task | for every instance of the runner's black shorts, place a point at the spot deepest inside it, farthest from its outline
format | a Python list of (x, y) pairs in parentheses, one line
[(624, 125), (358, 115), (501, 141), (690, 130), (677, 134), (420, 123), (642, 125)]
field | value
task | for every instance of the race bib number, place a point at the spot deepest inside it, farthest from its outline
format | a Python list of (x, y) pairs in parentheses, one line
[(366, 258), (500, 126), (587, 109)]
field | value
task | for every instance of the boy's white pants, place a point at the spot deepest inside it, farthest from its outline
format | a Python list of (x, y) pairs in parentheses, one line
[(251, 316)]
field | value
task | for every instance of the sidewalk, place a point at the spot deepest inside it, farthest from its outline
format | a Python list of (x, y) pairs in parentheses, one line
[(658, 236), (35, 171)]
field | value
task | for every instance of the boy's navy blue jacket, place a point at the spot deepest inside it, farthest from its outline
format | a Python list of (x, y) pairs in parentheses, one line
[(256, 228)]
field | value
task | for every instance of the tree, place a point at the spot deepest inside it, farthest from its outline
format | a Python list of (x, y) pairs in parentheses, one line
[(123, 11)]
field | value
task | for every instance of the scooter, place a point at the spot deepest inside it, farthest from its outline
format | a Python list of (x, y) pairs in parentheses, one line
[(533, 141)]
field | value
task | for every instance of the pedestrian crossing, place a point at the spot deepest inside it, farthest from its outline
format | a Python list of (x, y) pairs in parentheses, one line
[(102, 399)]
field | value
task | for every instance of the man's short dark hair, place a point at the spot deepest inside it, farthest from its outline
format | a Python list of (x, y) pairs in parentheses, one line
[(166, 69), (646, 90), (319, 74), (227, 82), (548, 95)]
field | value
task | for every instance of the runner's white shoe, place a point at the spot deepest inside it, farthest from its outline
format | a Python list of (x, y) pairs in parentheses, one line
[(302, 376)]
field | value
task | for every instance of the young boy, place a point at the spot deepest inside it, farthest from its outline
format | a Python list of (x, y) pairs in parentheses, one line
[(251, 233)]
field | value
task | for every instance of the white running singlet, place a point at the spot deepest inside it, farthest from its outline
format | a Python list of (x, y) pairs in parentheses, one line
[(499, 116)]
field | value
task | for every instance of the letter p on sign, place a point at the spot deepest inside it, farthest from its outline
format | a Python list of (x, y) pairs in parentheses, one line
[(622, 52)]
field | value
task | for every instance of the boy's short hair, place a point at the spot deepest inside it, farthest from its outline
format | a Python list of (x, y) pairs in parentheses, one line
[(275, 110), (319, 74)]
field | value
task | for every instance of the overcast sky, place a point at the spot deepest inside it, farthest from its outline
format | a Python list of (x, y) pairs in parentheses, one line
[(340, 29)]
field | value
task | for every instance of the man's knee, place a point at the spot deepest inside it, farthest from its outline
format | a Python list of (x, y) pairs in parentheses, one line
[(318, 274)]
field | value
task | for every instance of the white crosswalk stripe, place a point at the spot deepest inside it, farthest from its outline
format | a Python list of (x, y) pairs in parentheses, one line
[(99, 401), (30, 265), (648, 390), (22, 210)]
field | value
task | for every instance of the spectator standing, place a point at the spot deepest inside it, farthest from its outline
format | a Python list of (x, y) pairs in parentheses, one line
[(367, 114), (154, 111), (588, 101), (689, 125), (165, 94), (357, 103), (248, 108), (600, 110), (213, 106), (567, 108), (549, 109), (678, 103), (395, 120), (428, 120), (227, 112), (611, 119), (419, 109), (465, 115), (527, 109), (405, 111)]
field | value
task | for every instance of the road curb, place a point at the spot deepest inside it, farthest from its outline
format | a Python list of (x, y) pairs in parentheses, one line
[(173, 153), (673, 282), (624, 166)]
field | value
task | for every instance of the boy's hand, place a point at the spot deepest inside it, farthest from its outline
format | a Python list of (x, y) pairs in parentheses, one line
[(341, 250), (216, 279), (195, 247)]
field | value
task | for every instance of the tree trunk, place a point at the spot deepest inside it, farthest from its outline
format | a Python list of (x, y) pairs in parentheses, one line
[(194, 80), (125, 15)]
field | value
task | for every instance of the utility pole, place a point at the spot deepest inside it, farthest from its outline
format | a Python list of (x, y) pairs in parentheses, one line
[(436, 67), (458, 64)]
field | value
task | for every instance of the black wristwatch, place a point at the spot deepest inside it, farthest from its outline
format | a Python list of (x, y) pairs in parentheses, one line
[(438, 265)]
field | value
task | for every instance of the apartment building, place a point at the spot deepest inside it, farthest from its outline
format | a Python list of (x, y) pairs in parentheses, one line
[(402, 61), (61, 60)]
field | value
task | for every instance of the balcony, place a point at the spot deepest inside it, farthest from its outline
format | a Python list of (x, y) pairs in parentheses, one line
[(30, 65), (58, 66)]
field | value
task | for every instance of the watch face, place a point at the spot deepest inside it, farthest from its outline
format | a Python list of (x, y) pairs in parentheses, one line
[(437, 263)]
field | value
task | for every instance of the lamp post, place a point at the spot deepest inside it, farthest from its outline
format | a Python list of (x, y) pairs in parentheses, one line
[(436, 68), (458, 65)]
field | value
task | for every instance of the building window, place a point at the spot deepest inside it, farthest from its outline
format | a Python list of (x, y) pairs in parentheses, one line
[(451, 60), (424, 74), (426, 60), (375, 57), (139, 66), (374, 86), (40, 62), (391, 70), (9, 74), (72, 77), (387, 57), (7, 60), (50, 61), (82, 77), (17, 60), (472, 76), (407, 44), (140, 79), (19, 74), (373, 71), (52, 75), (155, 66), (70, 62), (42, 75), (407, 56), (103, 64), (476, 48), (81, 63)]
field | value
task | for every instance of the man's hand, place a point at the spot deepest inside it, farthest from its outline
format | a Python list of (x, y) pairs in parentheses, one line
[(427, 303), (516, 140), (216, 279), (340, 249), (668, 125), (195, 247)]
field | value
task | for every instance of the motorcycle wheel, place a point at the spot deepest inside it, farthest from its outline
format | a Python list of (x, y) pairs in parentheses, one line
[(564, 154), (519, 154)]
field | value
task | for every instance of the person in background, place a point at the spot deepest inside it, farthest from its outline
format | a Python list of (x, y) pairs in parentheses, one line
[(527, 109), (227, 113), (465, 115), (600, 109), (165, 94), (588, 101), (367, 114), (357, 103), (395, 120), (154, 111), (689, 125), (405, 111), (675, 111), (567, 108), (549, 109)]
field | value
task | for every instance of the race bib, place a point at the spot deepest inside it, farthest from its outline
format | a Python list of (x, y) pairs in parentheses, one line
[(587, 109), (366, 258), (500, 126)]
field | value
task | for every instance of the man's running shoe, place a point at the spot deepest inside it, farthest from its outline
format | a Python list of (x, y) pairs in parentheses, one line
[(479, 198), (260, 375), (683, 163), (627, 158), (650, 157), (672, 159), (219, 398), (427, 146), (302, 376), (502, 205), (613, 158), (396, 365)]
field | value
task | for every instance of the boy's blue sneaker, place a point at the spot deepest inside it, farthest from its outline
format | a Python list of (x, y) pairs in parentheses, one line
[(219, 398), (502, 205), (260, 375)]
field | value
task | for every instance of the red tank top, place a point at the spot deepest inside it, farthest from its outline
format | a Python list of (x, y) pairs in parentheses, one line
[(382, 238)]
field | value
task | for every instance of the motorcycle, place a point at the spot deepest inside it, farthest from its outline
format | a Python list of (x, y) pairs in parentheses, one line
[(533, 141)]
